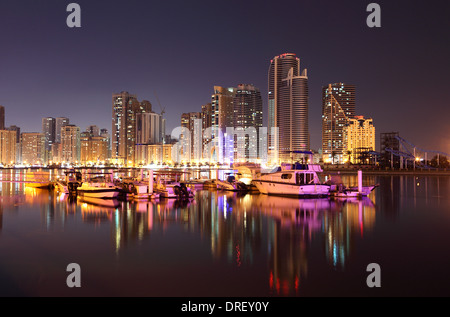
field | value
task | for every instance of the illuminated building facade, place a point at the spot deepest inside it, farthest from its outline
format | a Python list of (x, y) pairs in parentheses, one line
[(159, 154), (48, 130), (248, 114), (32, 148), (222, 112), (93, 149), (149, 129), (338, 106), (2, 118), (70, 144), (359, 137), (59, 123), (192, 121), (8, 146), (206, 124), (288, 108), (125, 107)]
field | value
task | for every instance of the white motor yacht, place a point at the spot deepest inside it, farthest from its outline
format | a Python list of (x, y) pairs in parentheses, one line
[(297, 181)]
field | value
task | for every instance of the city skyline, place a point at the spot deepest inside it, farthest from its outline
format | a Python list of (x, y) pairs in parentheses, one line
[(50, 70)]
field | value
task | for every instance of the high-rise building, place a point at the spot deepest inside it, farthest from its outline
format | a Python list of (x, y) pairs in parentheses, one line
[(56, 153), (124, 110), (93, 130), (248, 115), (338, 106), (70, 144), (2, 118), (149, 128), (93, 149), (359, 138), (48, 130), (17, 130), (32, 144), (60, 122), (104, 133), (192, 121), (206, 125), (288, 108), (8, 146), (221, 118)]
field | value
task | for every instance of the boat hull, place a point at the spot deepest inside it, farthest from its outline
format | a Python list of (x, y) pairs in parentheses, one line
[(99, 193), (39, 185)]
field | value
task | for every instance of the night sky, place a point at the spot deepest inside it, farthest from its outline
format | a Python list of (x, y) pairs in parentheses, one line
[(178, 50)]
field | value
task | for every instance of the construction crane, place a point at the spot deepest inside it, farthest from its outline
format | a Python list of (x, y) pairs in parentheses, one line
[(163, 110)]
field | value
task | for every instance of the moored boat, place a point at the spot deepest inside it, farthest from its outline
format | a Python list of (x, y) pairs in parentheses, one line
[(231, 184), (99, 187), (300, 181)]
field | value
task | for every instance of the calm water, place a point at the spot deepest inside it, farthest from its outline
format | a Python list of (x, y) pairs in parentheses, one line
[(226, 244)]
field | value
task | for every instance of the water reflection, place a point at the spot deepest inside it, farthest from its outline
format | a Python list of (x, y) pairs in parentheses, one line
[(280, 236)]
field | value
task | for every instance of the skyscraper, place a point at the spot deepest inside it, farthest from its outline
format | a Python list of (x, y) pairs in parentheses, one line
[(221, 118), (206, 124), (7, 147), (124, 109), (148, 131), (93, 148), (48, 130), (288, 107), (32, 144), (2, 118), (70, 144), (338, 106), (248, 115), (60, 122), (192, 121)]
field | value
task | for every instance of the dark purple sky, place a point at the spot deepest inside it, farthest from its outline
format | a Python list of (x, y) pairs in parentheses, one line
[(181, 49)]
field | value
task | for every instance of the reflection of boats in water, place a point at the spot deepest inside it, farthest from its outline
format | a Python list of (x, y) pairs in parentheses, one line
[(275, 204), (99, 202), (360, 201), (38, 179), (300, 180)]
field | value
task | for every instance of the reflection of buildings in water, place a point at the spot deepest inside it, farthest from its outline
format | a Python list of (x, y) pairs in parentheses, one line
[(291, 224), (340, 229), (234, 233), (11, 195), (130, 225), (392, 191), (95, 210)]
